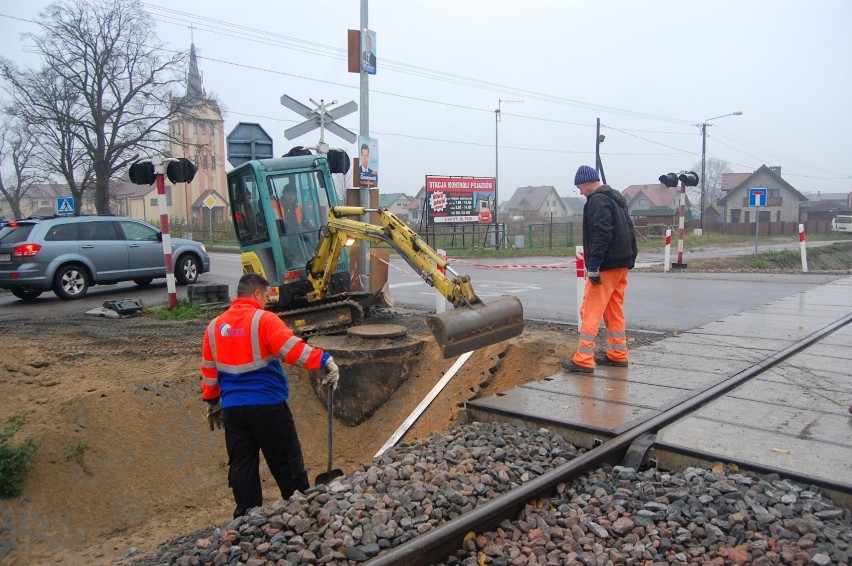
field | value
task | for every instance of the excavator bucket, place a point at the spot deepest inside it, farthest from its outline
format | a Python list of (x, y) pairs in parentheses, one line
[(469, 328)]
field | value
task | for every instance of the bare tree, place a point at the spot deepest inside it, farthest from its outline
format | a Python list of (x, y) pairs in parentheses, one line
[(47, 104), (17, 155), (714, 168), (107, 67)]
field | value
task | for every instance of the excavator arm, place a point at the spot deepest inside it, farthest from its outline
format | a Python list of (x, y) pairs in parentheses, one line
[(472, 325)]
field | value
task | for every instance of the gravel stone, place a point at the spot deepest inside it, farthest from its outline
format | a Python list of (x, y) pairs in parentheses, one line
[(610, 515)]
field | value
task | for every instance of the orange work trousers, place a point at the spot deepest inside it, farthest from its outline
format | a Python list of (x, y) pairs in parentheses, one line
[(603, 302)]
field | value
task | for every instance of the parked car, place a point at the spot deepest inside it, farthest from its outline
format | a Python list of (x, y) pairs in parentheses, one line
[(68, 254)]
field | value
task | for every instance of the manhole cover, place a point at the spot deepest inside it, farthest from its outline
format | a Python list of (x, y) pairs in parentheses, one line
[(378, 331)]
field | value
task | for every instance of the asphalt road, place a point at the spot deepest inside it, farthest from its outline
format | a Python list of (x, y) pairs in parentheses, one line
[(673, 301)]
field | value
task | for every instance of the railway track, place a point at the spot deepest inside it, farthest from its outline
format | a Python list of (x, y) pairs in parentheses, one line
[(635, 439)]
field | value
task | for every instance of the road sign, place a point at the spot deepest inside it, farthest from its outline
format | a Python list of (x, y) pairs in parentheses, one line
[(757, 197), (65, 206), (210, 201), (321, 117), (248, 141)]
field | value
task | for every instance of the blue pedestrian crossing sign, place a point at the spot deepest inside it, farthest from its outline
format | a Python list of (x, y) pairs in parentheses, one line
[(65, 206), (757, 197)]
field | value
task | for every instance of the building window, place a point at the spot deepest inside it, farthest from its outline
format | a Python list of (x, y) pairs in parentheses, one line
[(735, 216)]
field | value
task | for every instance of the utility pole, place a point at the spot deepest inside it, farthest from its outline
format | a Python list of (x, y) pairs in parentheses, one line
[(364, 192), (598, 141), (703, 126), (497, 170), (703, 170)]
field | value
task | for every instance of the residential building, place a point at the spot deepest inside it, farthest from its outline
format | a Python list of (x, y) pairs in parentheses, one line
[(654, 203), (782, 202), (396, 203), (824, 208), (537, 203), (574, 205), (41, 200)]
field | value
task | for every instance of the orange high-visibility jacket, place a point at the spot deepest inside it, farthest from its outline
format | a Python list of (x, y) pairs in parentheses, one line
[(242, 353)]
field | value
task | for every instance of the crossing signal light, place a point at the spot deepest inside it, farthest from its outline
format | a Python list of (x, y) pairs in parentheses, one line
[(142, 173), (338, 161), (181, 171), (669, 179), (689, 178)]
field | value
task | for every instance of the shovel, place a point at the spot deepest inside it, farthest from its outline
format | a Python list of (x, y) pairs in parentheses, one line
[(330, 474)]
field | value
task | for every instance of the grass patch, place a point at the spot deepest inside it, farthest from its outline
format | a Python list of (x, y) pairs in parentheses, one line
[(15, 461), (835, 257), (76, 452), (185, 310)]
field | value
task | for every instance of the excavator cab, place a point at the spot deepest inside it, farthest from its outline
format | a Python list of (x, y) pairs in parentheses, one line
[(279, 209)]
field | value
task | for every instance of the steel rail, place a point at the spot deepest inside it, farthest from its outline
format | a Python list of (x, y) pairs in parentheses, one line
[(444, 540)]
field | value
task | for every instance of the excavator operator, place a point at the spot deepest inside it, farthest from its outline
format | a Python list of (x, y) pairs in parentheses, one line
[(293, 216)]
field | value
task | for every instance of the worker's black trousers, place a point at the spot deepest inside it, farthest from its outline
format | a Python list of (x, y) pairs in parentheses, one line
[(269, 428)]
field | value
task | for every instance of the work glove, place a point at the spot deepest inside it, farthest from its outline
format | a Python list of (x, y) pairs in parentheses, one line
[(594, 276), (214, 415), (332, 374), (593, 269)]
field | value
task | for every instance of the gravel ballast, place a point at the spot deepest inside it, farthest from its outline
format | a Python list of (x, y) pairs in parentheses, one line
[(612, 515)]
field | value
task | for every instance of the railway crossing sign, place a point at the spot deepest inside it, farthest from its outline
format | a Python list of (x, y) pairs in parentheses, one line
[(757, 197), (322, 117), (65, 206)]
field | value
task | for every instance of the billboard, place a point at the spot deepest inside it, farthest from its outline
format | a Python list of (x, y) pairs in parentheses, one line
[(451, 200)]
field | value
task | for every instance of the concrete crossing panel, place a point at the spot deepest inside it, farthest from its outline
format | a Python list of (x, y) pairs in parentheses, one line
[(751, 448)]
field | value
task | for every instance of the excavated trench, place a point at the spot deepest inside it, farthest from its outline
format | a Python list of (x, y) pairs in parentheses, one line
[(376, 360)]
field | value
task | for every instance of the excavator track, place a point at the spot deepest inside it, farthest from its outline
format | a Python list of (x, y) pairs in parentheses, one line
[(326, 318)]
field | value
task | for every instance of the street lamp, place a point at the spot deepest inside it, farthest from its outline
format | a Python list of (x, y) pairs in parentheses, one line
[(703, 127), (497, 169)]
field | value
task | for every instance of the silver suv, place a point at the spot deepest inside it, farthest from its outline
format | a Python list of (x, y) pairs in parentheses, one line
[(68, 254)]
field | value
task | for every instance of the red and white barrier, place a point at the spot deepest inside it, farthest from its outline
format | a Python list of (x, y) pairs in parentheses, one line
[(581, 281), (667, 258), (803, 248), (680, 224), (160, 172)]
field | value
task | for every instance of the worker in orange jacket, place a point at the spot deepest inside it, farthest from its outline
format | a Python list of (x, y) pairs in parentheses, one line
[(609, 245), (246, 391)]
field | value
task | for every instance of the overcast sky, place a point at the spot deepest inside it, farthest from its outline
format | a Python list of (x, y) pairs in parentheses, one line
[(650, 70)]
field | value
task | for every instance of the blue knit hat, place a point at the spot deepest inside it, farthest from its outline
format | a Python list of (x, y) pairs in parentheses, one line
[(586, 174)]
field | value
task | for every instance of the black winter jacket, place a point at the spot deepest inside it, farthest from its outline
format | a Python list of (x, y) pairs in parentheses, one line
[(608, 230)]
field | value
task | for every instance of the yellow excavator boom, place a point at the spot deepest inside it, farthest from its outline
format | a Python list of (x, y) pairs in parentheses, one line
[(472, 325)]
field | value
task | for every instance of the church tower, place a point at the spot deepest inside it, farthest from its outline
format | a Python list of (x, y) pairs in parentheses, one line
[(197, 132)]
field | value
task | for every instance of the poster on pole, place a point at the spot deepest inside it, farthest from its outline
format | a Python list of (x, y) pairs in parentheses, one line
[(368, 164), (451, 200), (368, 51)]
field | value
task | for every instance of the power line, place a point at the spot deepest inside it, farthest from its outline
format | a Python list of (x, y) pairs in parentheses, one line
[(406, 68)]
